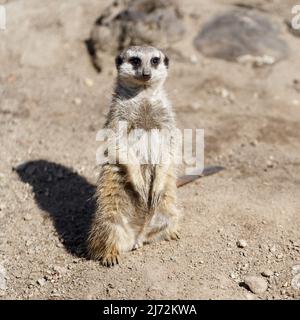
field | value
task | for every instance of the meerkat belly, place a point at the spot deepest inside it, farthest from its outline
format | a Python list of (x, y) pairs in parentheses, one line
[(150, 115)]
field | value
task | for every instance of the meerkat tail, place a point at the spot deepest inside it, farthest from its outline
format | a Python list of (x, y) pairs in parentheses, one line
[(181, 181)]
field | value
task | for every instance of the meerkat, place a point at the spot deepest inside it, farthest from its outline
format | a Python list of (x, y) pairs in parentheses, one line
[(136, 203)]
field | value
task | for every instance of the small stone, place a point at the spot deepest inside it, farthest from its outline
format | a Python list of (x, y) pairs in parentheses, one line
[(194, 59), (249, 296), (245, 267), (28, 217), (89, 82), (256, 284), (270, 164), (2, 278), (285, 285), (242, 243), (254, 143), (279, 256), (77, 101), (273, 249), (267, 273), (41, 281), (296, 269), (296, 282), (232, 275)]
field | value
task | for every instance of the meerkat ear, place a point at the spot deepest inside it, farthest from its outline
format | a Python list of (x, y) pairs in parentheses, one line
[(166, 61), (118, 61)]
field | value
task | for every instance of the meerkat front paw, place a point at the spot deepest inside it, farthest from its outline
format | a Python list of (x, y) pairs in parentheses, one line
[(110, 259), (137, 245), (172, 235)]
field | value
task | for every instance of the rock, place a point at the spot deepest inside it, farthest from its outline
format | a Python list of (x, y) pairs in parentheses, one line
[(250, 296), (242, 243), (256, 284), (135, 22), (89, 82), (293, 31), (194, 59), (296, 282), (41, 281), (296, 269), (2, 278), (267, 273), (244, 267), (241, 33), (77, 101), (28, 217)]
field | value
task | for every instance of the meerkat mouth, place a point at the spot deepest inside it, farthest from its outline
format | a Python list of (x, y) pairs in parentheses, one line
[(143, 79)]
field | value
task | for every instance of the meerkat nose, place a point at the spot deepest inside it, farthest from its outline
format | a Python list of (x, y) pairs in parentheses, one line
[(146, 74)]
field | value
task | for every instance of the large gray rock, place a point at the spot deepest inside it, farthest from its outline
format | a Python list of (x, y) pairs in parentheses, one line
[(240, 33), (136, 22)]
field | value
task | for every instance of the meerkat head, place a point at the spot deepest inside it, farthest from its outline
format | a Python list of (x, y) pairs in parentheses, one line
[(142, 65)]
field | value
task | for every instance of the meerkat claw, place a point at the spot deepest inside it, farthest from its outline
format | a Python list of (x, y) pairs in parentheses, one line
[(110, 261)]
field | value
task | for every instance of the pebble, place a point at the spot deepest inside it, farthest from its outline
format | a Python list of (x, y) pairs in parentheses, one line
[(2, 278), (89, 82), (273, 249), (245, 267), (41, 281), (194, 59), (296, 269), (242, 243), (296, 282), (249, 296), (256, 284), (267, 273), (28, 217), (77, 101)]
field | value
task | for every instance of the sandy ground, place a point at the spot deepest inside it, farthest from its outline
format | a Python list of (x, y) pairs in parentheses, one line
[(52, 103)]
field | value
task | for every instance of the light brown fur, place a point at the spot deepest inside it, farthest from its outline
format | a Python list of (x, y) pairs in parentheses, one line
[(136, 203)]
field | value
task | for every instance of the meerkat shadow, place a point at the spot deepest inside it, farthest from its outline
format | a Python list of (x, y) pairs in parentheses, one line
[(66, 196)]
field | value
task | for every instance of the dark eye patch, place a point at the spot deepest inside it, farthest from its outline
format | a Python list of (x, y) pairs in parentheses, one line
[(155, 61), (135, 61)]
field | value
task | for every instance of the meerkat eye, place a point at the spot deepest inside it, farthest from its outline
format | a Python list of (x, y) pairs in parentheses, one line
[(155, 61), (135, 61)]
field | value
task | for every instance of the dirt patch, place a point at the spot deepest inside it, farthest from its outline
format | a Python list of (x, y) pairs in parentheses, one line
[(53, 102)]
